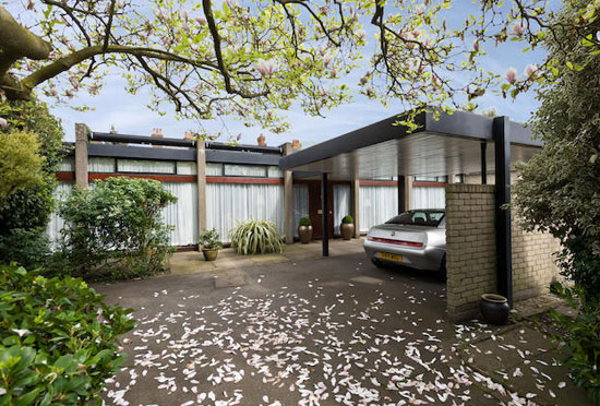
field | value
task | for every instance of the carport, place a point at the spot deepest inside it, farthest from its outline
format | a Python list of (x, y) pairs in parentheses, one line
[(459, 144)]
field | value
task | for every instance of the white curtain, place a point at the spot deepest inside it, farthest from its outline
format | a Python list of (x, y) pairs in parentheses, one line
[(61, 193), (300, 204), (428, 198), (186, 168), (103, 165), (142, 166), (182, 214), (341, 205), (377, 205), (245, 170), (227, 204)]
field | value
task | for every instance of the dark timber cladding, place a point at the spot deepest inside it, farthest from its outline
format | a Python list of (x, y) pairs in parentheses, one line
[(503, 216), (450, 139)]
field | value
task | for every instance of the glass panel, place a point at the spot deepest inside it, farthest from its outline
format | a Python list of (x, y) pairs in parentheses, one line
[(275, 172), (214, 169), (142, 166), (246, 170), (67, 164), (106, 165), (186, 168)]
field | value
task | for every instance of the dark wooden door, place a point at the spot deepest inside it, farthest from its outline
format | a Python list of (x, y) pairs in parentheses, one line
[(315, 208)]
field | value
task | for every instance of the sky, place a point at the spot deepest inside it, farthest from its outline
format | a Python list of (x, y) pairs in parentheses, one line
[(114, 106)]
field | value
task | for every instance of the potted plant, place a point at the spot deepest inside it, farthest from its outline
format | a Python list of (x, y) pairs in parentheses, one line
[(305, 230), (494, 308), (210, 244), (347, 227)]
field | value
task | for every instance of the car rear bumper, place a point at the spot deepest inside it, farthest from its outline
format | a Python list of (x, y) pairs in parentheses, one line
[(428, 258)]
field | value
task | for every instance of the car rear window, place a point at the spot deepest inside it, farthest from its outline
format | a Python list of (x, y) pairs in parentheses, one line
[(418, 218)]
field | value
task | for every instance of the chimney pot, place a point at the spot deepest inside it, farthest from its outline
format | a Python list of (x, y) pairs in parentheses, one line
[(262, 140), (296, 145)]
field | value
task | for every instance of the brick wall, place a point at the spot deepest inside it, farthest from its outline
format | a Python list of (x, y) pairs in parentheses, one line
[(470, 246), (471, 251), (533, 262)]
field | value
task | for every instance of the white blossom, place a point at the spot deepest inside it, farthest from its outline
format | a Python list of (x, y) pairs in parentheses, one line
[(511, 75)]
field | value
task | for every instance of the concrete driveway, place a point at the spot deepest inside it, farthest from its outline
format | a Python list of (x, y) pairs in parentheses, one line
[(334, 331)]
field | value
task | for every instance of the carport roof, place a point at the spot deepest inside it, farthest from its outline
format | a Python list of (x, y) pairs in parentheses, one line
[(450, 144)]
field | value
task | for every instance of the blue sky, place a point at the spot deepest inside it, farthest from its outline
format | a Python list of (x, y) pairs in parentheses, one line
[(128, 114)]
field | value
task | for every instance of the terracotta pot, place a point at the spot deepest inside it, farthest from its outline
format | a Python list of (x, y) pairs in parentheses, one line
[(347, 231), (210, 254), (305, 233), (494, 308)]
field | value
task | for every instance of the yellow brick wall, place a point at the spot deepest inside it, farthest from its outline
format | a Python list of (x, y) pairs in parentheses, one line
[(471, 251)]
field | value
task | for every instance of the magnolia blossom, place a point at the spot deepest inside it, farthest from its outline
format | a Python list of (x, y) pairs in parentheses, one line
[(200, 20), (420, 8), (530, 71), (3, 122), (361, 34), (511, 75), (21, 332), (518, 29), (266, 68), (476, 45)]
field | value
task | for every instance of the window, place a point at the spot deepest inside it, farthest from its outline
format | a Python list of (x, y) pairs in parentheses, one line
[(418, 218), (186, 168), (142, 166), (275, 172), (67, 164), (245, 170), (441, 179), (102, 165), (213, 169)]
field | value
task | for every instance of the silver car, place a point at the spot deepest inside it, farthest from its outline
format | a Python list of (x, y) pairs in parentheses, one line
[(416, 239)]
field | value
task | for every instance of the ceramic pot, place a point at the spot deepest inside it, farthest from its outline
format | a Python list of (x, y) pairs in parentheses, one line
[(210, 254), (494, 308), (305, 233), (347, 231)]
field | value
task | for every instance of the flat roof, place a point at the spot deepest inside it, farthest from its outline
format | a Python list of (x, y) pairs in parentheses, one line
[(449, 144)]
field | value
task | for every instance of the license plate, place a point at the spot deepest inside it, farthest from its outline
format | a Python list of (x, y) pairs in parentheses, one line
[(389, 257)]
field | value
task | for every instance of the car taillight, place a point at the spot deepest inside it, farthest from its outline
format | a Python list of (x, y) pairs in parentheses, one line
[(397, 242)]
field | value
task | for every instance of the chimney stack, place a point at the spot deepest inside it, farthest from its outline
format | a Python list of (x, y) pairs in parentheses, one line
[(157, 133), (188, 136), (262, 140), (296, 145)]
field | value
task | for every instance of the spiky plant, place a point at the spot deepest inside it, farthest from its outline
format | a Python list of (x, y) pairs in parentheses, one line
[(256, 237)]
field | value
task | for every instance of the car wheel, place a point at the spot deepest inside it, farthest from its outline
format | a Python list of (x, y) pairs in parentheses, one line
[(378, 263), (443, 272)]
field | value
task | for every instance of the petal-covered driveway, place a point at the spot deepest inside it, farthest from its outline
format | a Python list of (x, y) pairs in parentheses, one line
[(319, 332)]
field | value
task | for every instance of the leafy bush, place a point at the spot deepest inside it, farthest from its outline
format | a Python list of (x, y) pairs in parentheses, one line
[(581, 337), (20, 162), (115, 230), (347, 220), (58, 340), (256, 237), (27, 212), (210, 240), (304, 221)]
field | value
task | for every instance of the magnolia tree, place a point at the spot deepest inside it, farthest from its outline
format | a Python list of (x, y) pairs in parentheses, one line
[(252, 58)]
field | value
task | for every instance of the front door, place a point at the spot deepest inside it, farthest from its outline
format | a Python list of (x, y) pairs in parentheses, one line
[(315, 208)]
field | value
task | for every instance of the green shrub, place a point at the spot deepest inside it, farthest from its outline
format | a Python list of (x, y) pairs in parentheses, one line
[(304, 221), (256, 237), (58, 340), (27, 211), (581, 337), (115, 230), (347, 220), (210, 239)]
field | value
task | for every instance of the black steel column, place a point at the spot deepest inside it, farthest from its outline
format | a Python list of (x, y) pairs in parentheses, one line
[(402, 203), (501, 134), (325, 216), (484, 163)]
